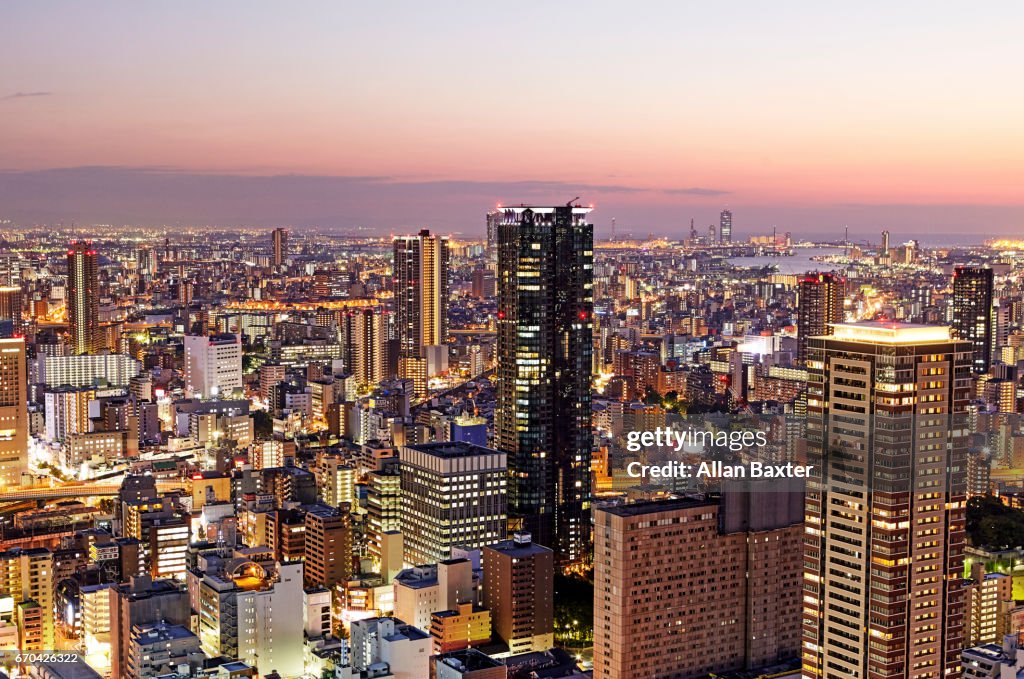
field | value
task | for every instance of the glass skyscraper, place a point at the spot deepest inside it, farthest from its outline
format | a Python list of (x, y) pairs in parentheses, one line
[(545, 331)]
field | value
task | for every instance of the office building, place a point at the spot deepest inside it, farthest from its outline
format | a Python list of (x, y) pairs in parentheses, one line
[(519, 592), (364, 342), (213, 365), (96, 621), (336, 478), (692, 586), (83, 299), (1003, 660), (421, 304), (465, 626), (11, 303), (484, 283), (316, 612), (467, 664), (328, 547), (545, 346), (147, 261), (162, 532), (883, 557), (271, 375), (468, 428), (67, 411), (13, 412), (158, 648), (422, 590), (279, 236), (725, 227), (820, 305), (453, 494), (972, 313), (494, 218), (383, 509)]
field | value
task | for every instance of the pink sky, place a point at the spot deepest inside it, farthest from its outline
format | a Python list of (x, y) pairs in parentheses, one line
[(799, 105)]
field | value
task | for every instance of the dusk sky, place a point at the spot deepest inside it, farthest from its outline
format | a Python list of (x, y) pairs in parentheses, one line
[(808, 115)]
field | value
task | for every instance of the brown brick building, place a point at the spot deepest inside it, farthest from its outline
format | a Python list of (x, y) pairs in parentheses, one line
[(689, 587), (518, 590)]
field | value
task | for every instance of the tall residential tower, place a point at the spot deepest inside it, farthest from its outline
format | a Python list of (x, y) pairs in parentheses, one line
[(819, 307), (885, 537), (972, 313), (13, 412), (421, 305), (83, 299), (280, 240), (545, 345)]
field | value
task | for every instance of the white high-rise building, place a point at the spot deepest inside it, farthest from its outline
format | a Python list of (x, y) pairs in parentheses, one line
[(453, 494), (253, 610), (83, 370), (404, 648), (213, 365)]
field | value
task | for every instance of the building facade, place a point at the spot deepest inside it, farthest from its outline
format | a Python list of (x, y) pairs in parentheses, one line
[(421, 301), (972, 313), (820, 305), (883, 558), (545, 346), (691, 587), (83, 299), (13, 412), (519, 592), (453, 494), (213, 365)]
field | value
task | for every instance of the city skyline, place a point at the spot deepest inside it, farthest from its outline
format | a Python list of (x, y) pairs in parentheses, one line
[(480, 341), (259, 436)]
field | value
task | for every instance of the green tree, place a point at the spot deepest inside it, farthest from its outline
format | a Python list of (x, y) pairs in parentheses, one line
[(992, 524)]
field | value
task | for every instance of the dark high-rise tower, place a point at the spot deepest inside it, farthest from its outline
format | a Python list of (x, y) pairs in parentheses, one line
[(725, 226), (83, 298), (280, 238), (545, 332), (820, 305), (972, 312)]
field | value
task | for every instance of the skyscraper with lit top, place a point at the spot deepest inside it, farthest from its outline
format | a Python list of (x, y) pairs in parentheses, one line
[(83, 298), (421, 304), (885, 526), (545, 346), (819, 307)]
